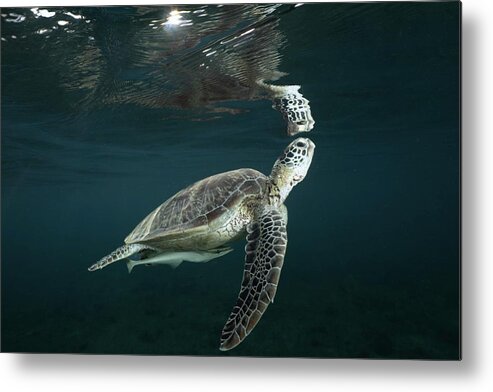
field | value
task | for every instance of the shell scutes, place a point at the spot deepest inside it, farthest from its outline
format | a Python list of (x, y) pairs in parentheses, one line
[(195, 207)]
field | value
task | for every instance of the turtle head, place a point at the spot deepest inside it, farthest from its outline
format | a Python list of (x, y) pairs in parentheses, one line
[(291, 167)]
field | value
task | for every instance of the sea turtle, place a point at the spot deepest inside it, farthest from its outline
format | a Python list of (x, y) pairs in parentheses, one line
[(196, 224)]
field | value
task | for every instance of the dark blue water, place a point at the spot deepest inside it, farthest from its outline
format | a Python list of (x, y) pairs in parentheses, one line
[(104, 118)]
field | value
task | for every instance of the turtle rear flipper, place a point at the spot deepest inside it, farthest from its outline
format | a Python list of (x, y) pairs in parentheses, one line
[(266, 246), (120, 253)]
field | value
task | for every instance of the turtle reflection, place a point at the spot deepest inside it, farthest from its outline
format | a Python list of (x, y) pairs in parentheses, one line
[(191, 57)]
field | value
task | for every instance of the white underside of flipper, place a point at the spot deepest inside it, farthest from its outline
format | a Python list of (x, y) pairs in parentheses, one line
[(174, 259)]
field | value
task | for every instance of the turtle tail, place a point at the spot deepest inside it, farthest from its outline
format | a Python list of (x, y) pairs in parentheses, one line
[(118, 254)]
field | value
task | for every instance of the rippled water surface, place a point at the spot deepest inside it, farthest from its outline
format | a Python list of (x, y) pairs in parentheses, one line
[(106, 112)]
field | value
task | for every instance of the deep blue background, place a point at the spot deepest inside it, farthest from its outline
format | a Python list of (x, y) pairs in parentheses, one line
[(372, 268)]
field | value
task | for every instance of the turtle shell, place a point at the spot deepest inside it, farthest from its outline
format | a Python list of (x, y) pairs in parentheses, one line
[(197, 206)]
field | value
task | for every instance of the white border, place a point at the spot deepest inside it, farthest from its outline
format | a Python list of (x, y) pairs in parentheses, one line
[(98, 373)]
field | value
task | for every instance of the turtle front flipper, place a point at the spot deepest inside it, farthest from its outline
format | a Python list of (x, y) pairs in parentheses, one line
[(266, 246), (118, 254)]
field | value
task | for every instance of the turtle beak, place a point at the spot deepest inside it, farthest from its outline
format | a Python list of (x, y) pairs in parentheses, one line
[(310, 148)]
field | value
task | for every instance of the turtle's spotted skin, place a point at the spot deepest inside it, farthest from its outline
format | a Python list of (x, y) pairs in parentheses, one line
[(295, 109), (266, 245), (198, 222)]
